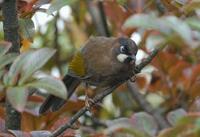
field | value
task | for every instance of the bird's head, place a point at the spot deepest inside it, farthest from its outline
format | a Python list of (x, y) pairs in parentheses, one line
[(126, 51)]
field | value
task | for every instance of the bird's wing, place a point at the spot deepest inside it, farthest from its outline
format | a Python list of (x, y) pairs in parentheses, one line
[(77, 67)]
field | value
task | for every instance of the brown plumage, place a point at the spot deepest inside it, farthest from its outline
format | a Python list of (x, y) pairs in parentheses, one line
[(101, 62)]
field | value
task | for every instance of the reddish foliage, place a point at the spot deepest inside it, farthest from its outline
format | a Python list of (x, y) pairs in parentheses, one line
[(117, 15), (62, 121)]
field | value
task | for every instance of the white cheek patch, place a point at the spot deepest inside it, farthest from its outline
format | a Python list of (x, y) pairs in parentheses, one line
[(121, 57)]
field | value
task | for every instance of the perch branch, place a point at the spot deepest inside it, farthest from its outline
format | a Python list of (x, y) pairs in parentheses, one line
[(100, 96)]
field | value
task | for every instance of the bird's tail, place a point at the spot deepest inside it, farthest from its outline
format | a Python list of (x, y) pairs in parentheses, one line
[(53, 103)]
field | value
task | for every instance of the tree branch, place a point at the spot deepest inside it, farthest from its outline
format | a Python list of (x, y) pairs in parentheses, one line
[(161, 8), (99, 97), (10, 26), (140, 99), (98, 17)]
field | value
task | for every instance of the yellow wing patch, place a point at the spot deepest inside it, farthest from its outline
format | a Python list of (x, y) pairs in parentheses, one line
[(77, 65)]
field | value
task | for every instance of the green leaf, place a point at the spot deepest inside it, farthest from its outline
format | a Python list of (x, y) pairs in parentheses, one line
[(51, 85), (27, 28), (175, 115), (4, 47), (17, 96), (57, 4), (16, 68), (2, 72), (194, 23), (147, 22), (166, 25), (140, 20), (7, 59), (125, 126), (34, 62), (145, 122), (180, 27)]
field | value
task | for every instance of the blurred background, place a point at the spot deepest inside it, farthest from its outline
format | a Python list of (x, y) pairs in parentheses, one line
[(165, 91)]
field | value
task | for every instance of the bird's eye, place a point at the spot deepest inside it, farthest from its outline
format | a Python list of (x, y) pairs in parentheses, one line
[(123, 49)]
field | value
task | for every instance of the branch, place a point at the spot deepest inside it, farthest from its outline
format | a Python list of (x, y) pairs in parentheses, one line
[(161, 8), (99, 97), (56, 43), (140, 99), (98, 17), (81, 112), (10, 26)]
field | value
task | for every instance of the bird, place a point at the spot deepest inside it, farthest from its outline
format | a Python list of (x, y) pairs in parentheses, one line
[(101, 62)]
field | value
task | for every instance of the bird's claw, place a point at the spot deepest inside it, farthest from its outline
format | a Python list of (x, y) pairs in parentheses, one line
[(133, 78), (89, 102)]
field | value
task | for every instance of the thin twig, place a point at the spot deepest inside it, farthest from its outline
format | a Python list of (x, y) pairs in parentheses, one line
[(161, 8), (100, 96), (146, 106), (56, 43)]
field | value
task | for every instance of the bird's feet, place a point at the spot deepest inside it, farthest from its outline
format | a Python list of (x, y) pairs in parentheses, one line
[(90, 104), (133, 78)]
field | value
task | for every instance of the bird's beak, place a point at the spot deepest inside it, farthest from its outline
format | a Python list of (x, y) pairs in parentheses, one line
[(132, 59)]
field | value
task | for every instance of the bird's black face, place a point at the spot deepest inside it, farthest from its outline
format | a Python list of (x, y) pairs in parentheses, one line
[(127, 51)]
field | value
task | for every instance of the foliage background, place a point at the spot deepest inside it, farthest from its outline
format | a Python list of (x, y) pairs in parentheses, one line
[(169, 86)]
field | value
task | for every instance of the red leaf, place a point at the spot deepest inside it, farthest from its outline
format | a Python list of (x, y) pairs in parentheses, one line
[(176, 71), (116, 14)]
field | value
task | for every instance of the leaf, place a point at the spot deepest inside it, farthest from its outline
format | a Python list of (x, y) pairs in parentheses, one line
[(166, 25), (18, 133), (57, 4), (7, 59), (145, 122), (15, 69), (176, 71), (42, 133), (182, 28), (51, 85), (27, 29), (34, 62), (193, 5), (2, 72), (193, 23), (4, 47), (175, 115), (140, 20), (39, 3), (17, 96), (115, 13), (126, 125), (186, 126)]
